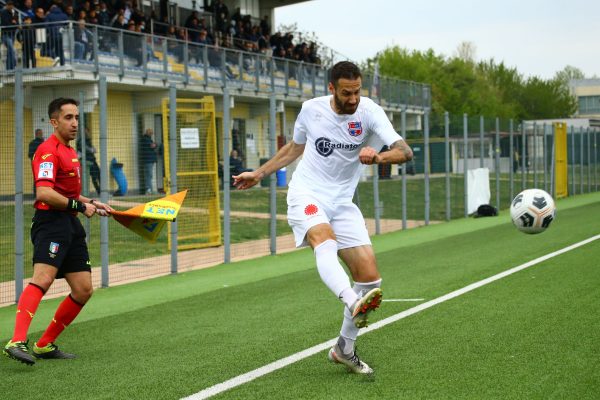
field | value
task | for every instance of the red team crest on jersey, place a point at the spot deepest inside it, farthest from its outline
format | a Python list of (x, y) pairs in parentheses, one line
[(354, 128), (311, 209)]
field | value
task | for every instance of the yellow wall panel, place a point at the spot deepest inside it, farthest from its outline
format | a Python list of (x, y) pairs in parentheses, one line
[(7, 149)]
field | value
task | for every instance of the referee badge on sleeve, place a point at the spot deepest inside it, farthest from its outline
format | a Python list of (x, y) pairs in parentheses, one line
[(46, 170)]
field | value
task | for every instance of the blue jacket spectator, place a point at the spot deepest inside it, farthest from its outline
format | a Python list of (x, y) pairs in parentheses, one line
[(55, 20), (8, 18)]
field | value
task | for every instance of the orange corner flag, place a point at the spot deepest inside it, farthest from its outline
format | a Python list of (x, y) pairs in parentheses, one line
[(147, 220)]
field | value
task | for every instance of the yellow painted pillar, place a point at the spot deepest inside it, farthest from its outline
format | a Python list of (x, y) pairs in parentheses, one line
[(560, 159)]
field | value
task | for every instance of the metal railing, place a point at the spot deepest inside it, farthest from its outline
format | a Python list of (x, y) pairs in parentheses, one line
[(99, 49)]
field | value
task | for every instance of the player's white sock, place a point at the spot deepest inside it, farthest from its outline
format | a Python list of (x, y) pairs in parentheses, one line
[(349, 331), (346, 345), (332, 273)]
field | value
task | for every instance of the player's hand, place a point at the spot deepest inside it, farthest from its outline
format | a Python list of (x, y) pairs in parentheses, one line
[(90, 210), (369, 156), (102, 209), (246, 180)]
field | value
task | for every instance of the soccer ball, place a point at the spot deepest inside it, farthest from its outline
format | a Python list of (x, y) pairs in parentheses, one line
[(532, 210)]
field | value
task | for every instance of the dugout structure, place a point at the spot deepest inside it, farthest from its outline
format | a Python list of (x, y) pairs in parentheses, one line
[(198, 222)]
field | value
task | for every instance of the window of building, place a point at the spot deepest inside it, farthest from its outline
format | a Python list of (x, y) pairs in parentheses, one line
[(589, 105)]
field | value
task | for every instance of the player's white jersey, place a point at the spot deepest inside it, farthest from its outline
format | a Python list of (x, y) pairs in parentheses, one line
[(330, 165)]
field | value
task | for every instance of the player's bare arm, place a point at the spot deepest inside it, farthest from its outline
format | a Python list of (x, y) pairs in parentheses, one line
[(51, 197), (399, 152), (284, 157), (102, 209)]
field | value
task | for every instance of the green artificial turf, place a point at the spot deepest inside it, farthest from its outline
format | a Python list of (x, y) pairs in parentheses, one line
[(530, 335)]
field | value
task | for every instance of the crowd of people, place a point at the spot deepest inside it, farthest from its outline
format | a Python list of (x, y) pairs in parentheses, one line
[(214, 26)]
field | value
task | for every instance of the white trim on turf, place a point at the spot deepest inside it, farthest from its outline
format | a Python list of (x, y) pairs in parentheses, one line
[(284, 362)]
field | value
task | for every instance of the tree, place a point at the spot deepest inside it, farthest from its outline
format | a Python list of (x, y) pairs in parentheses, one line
[(458, 85), (466, 51), (567, 74), (546, 99)]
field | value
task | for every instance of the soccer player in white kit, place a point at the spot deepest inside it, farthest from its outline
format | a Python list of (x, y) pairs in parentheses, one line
[(337, 135)]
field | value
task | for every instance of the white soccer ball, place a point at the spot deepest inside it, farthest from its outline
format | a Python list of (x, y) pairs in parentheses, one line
[(532, 210)]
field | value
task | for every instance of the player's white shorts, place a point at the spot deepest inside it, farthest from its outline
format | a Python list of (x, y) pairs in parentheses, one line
[(346, 220)]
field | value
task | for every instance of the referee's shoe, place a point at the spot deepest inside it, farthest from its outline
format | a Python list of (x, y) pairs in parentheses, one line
[(50, 351), (18, 351)]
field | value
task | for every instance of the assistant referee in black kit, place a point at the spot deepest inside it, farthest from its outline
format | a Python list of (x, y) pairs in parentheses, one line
[(59, 246)]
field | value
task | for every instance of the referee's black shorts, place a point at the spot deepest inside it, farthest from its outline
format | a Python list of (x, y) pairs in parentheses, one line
[(59, 240)]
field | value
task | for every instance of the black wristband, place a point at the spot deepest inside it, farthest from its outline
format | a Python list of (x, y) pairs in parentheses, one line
[(75, 205)]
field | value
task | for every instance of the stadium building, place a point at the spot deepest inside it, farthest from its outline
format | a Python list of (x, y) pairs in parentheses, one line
[(173, 47), (587, 92)]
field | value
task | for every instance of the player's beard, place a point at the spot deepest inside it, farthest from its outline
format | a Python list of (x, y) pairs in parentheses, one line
[(344, 108)]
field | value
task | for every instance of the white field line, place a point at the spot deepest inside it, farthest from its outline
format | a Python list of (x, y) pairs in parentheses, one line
[(284, 362)]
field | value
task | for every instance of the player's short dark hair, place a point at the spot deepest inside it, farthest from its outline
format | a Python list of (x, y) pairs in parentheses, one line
[(56, 104), (344, 69)]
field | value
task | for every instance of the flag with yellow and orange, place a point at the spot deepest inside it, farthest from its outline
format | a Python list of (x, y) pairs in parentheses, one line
[(148, 219)]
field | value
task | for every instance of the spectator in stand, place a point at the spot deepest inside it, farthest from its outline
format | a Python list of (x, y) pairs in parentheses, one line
[(237, 15), (288, 41), (132, 44), (194, 33), (104, 19), (220, 27), (202, 25), (193, 28), (236, 164), (276, 41), (265, 27), (28, 43), (161, 28), (214, 52), (232, 29), (38, 22), (189, 20), (204, 39), (8, 22), (314, 57), (56, 19), (264, 46), (171, 36), (220, 11), (86, 6), (280, 53), (28, 9), (69, 10), (119, 22), (39, 17), (35, 143), (253, 34), (139, 17), (90, 159), (83, 41), (92, 17), (247, 22), (181, 37), (221, 16), (104, 16), (148, 156), (128, 11), (81, 15)]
